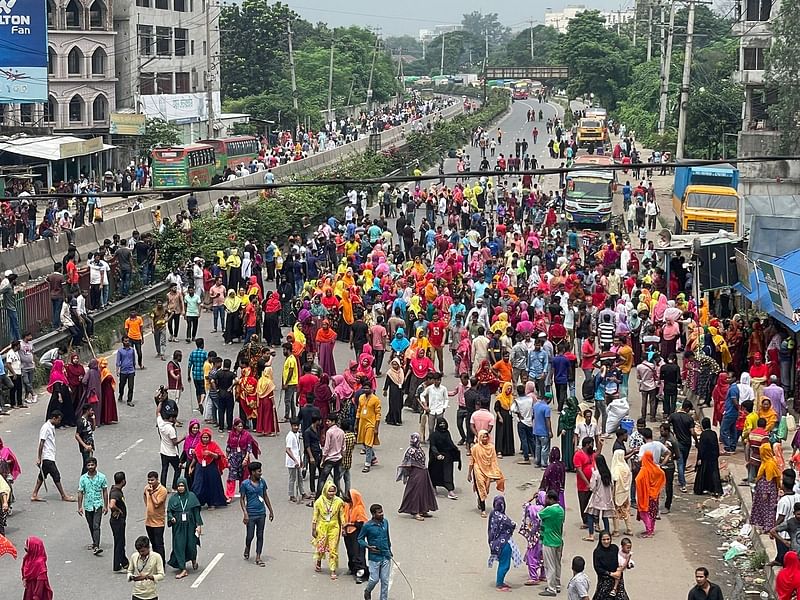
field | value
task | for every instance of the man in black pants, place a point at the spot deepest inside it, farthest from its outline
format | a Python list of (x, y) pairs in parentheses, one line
[(170, 456), (119, 514), (313, 452), (332, 454), (223, 382)]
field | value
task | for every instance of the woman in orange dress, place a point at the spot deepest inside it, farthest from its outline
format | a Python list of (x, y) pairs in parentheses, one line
[(108, 403), (248, 400), (267, 419)]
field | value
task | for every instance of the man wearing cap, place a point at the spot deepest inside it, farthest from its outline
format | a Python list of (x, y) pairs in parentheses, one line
[(9, 302)]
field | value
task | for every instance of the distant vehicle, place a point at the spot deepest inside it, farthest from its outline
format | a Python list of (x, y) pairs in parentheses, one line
[(427, 94), (179, 166), (520, 90), (590, 194), (705, 198), (233, 151)]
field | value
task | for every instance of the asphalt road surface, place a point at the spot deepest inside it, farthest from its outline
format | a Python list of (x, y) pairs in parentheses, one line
[(447, 552)]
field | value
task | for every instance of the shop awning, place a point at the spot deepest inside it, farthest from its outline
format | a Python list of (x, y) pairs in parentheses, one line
[(53, 147), (759, 294)]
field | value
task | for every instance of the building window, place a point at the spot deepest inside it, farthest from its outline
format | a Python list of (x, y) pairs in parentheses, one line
[(76, 109), (99, 109), (191, 47), (179, 5), (51, 61), (164, 83), (73, 14), (754, 59), (162, 4), (181, 37), (143, 3), (145, 33), (52, 22), (163, 41), (182, 83), (26, 113), (75, 61), (97, 15), (50, 110), (758, 10), (99, 62), (147, 83), (204, 48)]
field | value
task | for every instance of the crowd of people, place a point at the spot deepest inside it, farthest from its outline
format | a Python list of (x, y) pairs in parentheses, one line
[(547, 332)]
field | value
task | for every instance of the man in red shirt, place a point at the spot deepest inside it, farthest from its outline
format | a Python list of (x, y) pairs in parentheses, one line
[(378, 337), (584, 463), (436, 333), (73, 278), (250, 317), (305, 385)]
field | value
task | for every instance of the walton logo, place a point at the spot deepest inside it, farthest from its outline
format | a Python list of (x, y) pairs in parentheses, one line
[(7, 5)]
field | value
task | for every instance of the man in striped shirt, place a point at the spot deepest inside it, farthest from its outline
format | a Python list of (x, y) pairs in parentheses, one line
[(605, 331)]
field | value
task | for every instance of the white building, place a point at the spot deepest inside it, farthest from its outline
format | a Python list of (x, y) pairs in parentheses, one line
[(560, 19), (426, 35), (164, 49), (80, 69)]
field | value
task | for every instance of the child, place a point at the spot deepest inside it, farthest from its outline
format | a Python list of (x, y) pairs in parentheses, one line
[(642, 237), (625, 561)]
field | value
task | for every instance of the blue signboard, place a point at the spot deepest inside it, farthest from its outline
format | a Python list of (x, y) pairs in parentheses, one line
[(23, 51)]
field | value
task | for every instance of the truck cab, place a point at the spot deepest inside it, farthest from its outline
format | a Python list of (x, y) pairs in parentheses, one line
[(705, 199), (590, 193)]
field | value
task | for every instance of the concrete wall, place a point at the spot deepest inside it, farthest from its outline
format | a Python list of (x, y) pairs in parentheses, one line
[(762, 175), (36, 260)]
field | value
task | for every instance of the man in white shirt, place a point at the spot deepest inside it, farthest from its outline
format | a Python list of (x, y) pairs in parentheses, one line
[(660, 452), (98, 277), (294, 462), (784, 512), (170, 455), (522, 406), (434, 400), (46, 458)]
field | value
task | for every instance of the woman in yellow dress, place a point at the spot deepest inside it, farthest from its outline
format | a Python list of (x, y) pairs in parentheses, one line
[(326, 528)]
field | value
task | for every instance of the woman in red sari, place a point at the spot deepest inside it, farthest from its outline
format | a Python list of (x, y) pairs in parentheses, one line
[(248, 401), (34, 571), (267, 419), (75, 372), (718, 396), (107, 394)]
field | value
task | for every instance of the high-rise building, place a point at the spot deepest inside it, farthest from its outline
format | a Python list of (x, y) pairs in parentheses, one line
[(80, 71), (168, 59), (560, 19), (426, 35)]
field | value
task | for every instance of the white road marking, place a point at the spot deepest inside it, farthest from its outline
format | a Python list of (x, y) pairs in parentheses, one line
[(128, 449), (207, 570)]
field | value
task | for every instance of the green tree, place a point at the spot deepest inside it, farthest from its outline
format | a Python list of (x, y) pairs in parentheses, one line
[(463, 51), (480, 25), (410, 46), (546, 41), (158, 132), (783, 75), (709, 27)]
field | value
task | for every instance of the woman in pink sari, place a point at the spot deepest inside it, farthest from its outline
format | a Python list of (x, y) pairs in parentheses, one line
[(9, 465), (267, 417)]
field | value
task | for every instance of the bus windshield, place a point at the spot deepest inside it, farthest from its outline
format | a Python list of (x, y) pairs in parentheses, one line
[(590, 189), (587, 123), (712, 201)]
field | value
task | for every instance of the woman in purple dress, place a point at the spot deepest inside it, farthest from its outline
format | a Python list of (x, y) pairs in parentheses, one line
[(554, 477), (531, 531), (765, 493), (326, 340), (419, 497)]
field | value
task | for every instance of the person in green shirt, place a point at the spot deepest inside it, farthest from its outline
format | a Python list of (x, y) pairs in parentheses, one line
[(552, 518)]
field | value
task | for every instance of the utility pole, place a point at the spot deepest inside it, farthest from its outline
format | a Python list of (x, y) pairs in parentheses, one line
[(330, 82), (372, 68), (423, 48), (531, 41), (294, 78), (662, 35), (649, 31), (441, 64), (209, 75), (486, 36), (687, 74), (665, 69), (635, 20)]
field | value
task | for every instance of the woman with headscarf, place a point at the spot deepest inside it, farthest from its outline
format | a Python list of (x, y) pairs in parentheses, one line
[(272, 310), (484, 469), (233, 317), (707, 477), (566, 429), (246, 392), (399, 343), (501, 545), (365, 369), (75, 372), (787, 581), (419, 497), (718, 396), (621, 477), (189, 444), (207, 466), (765, 493), (9, 465), (346, 314), (326, 528), (60, 395), (238, 449), (443, 453), (504, 430), (464, 353), (267, 417), (34, 571), (183, 516), (234, 266), (768, 413), (531, 531), (610, 581), (91, 390), (343, 397), (108, 404), (326, 341), (351, 375), (323, 395), (554, 477), (394, 386), (758, 375), (649, 483), (420, 366)]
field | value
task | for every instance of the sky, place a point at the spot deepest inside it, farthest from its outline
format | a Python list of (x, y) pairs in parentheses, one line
[(409, 16)]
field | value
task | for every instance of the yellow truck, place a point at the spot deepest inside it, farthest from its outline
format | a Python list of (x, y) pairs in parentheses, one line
[(705, 199)]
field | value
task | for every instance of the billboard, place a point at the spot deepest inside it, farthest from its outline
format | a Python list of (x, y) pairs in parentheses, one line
[(179, 108), (127, 124), (776, 285), (23, 51), (743, 269)]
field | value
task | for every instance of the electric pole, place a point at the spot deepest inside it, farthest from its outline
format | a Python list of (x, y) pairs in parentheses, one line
[(687, 74), (372, 68), (486, 52), (649, 31), (423, 48), (209, 75), (294, 79), (330, 82), (665, 69), (635, 20), (531, 41), (441, 64)]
